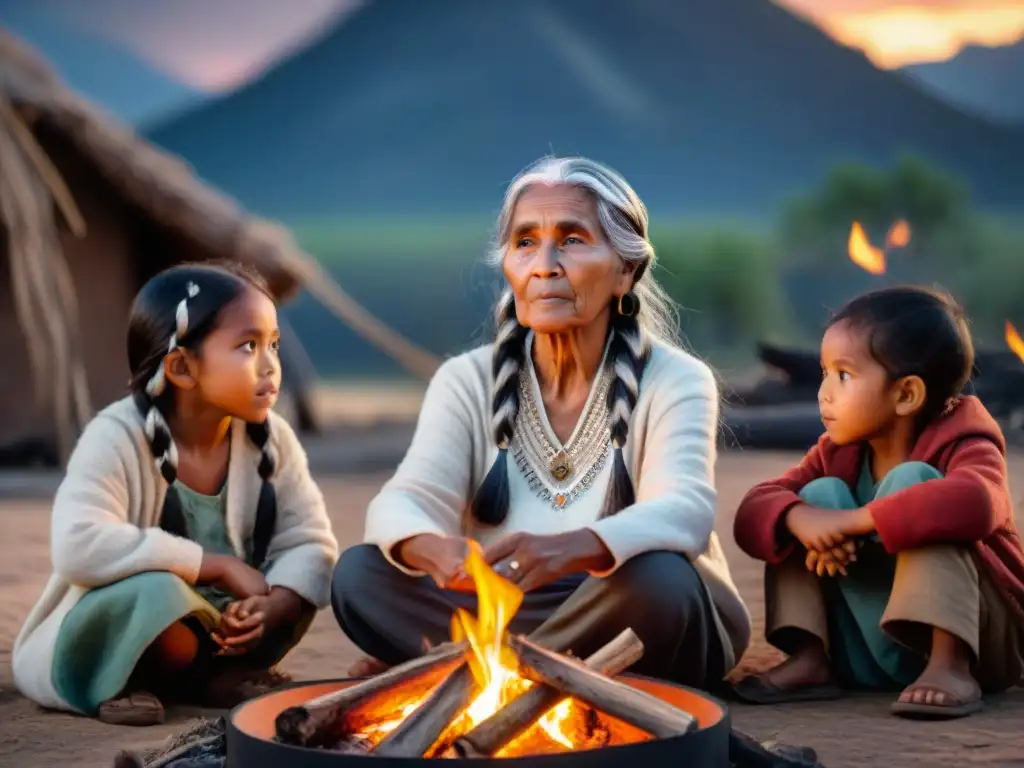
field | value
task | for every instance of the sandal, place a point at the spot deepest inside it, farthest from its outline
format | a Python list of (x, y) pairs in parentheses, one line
[(232, 686), (757, 690), (139, 708), (953, 707)]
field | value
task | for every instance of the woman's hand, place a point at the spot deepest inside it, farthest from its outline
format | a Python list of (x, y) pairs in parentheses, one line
[(245, 622), (531, 561), (822, 529), (441, 557), (231, 575)]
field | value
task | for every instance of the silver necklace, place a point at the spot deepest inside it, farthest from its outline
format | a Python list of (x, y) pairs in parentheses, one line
[(561, 474)]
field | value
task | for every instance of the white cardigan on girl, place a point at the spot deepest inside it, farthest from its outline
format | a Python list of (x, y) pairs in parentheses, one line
[(670, 452), (105, 527)]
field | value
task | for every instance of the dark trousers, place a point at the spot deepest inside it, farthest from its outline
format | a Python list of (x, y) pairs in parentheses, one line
[(660, 595)]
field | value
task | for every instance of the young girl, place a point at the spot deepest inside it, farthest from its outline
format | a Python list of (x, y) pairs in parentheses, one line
[(191, 547), (893, 561)]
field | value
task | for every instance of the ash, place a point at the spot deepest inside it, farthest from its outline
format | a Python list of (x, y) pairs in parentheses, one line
[(202, 745), (353, 745)]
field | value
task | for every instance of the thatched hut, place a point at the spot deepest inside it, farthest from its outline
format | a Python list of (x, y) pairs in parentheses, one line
[(88, 212)]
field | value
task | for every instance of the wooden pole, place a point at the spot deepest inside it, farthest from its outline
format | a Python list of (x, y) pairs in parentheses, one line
[(318, 722), (418, 732), (636, 707)]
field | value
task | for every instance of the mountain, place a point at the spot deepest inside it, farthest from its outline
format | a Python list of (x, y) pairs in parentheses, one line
[(100, 70), (707, 106), (987, 81)]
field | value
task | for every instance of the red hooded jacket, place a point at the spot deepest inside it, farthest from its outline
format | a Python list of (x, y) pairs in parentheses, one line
[(969, 505)]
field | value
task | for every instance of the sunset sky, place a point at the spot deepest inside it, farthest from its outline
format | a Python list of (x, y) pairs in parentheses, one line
[(216, 44), (898, 32)]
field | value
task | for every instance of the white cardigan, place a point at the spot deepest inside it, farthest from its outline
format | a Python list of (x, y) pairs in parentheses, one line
[(105, 527), (670, 453)]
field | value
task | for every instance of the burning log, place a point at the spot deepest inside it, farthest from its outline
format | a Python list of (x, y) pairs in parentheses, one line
[(634, 706), (318, 721), (424, 726), (496, 689), (522, 712)]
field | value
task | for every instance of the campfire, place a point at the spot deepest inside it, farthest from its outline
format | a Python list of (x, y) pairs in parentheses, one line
[(488, 694)]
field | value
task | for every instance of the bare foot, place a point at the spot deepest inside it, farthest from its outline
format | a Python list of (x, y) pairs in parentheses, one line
[(804, 676), (808, 666), (367, 667)]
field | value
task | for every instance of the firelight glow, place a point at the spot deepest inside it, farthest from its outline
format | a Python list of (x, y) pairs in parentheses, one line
[(1014, 341), (863, 253), (867, 256), (894, 34)]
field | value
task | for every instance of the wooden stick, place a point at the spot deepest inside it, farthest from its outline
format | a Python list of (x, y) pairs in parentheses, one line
[(318, 721), (640, 709), (418, 732), (519, 714)]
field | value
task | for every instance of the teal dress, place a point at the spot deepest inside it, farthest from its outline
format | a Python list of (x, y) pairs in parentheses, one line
[(103, 637), (863, 655)]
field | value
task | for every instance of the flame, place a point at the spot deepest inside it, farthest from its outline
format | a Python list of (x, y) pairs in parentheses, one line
[(868, 257), (492, 662), (898, 235), (863, 253), (1014, 341), (569, 725)]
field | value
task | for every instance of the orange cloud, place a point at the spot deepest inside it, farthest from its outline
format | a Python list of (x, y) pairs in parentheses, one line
[(895, 34)]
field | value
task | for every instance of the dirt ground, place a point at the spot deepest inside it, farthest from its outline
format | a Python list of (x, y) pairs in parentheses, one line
[(855, 732)]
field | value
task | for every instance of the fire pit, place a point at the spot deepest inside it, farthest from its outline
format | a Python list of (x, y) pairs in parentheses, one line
[(487, 695)]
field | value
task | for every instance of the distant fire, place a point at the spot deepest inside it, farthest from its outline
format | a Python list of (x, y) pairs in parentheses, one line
[(867, 256), (898, 235), (1014, 341)]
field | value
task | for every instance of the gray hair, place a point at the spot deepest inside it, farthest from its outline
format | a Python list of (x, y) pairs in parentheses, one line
[(624, 219)]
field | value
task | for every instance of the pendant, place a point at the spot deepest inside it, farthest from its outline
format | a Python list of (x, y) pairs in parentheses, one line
[(560, 501), (561, 466)]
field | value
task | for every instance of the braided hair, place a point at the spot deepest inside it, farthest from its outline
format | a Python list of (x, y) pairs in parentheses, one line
[(490, 504), (628, 353), (179, 308)]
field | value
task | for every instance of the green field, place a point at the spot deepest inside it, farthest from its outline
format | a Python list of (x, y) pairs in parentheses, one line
[(736, 281)]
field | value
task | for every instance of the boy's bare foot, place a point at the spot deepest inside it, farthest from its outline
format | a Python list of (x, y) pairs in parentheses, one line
[(367, 667), (804, 676), (946, 688)]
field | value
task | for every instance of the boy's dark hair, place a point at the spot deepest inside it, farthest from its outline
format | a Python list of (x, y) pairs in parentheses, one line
[(180, 307), (916, 331)]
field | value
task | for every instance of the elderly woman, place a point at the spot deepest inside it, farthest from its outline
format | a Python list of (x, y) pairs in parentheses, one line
[(578, 449)]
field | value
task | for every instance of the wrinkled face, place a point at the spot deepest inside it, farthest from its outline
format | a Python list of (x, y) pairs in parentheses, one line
[(237, 369), (857, 398), (562, 271)]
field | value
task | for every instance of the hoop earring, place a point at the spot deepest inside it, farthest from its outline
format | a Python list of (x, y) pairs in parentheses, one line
[(633, 304)]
